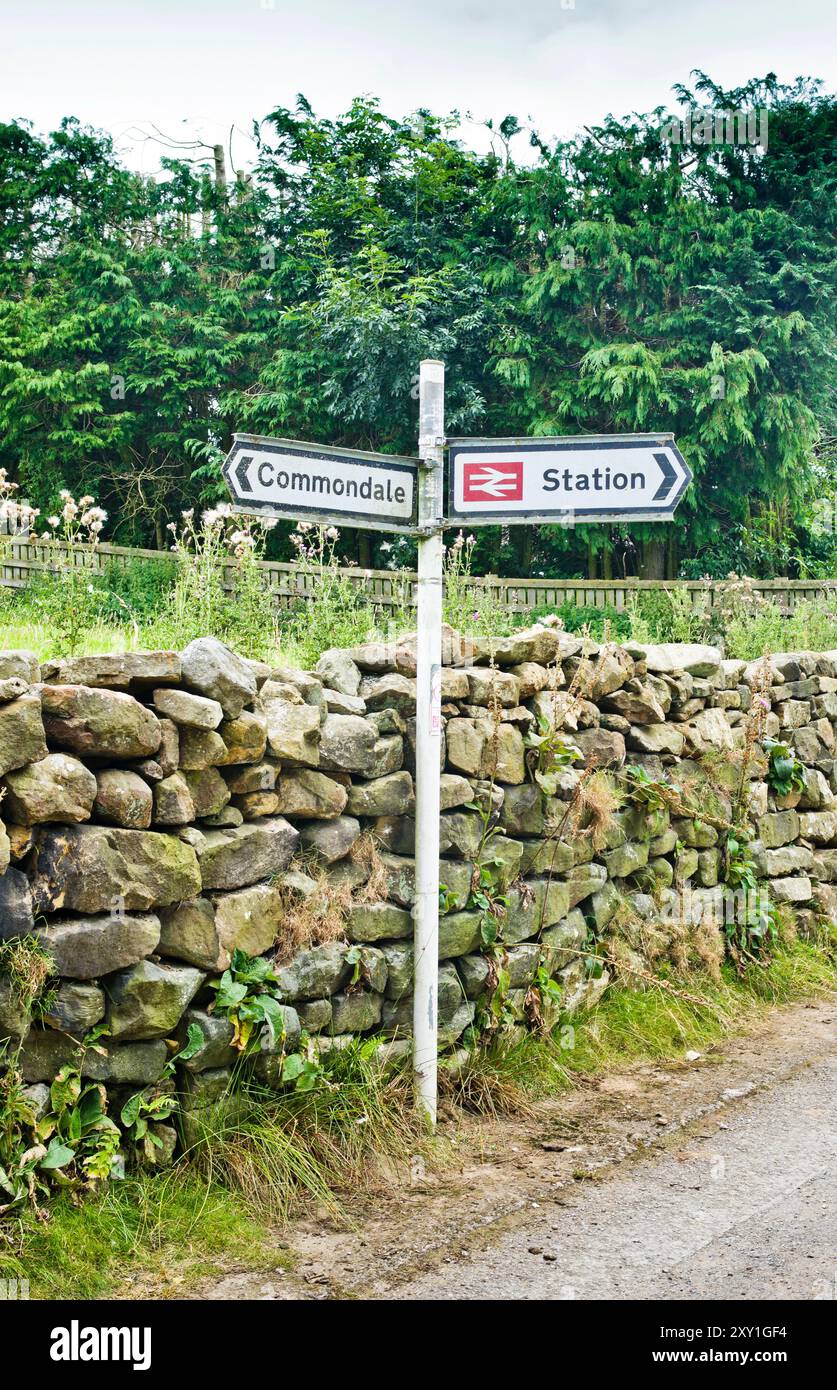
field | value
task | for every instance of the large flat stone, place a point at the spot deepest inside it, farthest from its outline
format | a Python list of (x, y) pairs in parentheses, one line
[(99, 723), (85, 948), (148, 999), (56, 788), (235, 858), (91, 868), (211, 669)]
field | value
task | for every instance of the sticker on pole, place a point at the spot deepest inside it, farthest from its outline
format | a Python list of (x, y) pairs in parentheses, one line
[(310, 482), (574, 479)]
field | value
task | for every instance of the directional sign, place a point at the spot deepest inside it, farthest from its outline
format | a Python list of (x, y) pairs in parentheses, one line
[(610, 477), (309, 482)]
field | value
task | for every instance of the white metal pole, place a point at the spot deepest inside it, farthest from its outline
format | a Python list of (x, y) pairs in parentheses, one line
[(428, 735)]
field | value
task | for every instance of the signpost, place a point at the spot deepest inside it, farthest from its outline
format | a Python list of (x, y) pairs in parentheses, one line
[(582, 478), (608, 477)]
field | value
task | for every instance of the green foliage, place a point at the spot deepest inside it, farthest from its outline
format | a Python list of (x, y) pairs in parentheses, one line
[(613, 282), (654, 793), (785, 773), (549, 752), (602, 623), (247, 994)]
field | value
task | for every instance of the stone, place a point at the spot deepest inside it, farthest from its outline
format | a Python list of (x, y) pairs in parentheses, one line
[(791, 890), (378, 921), (314, 974), (639, 706), (20, 665), (454, 791), (488, 686), (670, 657), (137, 1064), (208, 790), (16, 916), (88, 868), (347, 744), (56, 788), (356, 1012), (392, 795), (546, 857), (173, 804), (22, 738), (604, 903), (310, 795), (293, 731), (601, 747), (709, 867), (244, 738), (336, 703), (270, 1058), (532, 678), (387, 756), (251, 806), (583, 880), (331, 840), (522, 812), (337, 670), (454, 877), (626, 859), (238, 857), (258, 777), (168, 754), (818, 826), (195, 711), (781, 827), (539, 644), (148, 999), (454, 684), (390, 691), (459, 934), (563, 941), (99, 722), (655, 738), (211, 669), (123, 798), (216, 1049), (315, 1015), (473, 972), (85, 948), (788, 859), (115, 670), (309, 686), (76, 1007), (188, 932), (612, 668), (200, 748), (12, 688), (248, 919)]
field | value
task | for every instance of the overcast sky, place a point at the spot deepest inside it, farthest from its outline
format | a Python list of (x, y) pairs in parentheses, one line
[(197, 67)]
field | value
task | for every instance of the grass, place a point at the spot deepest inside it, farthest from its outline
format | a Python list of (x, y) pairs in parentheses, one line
[(172, 1229), (630, 1025), (269, 1154), (343, 1137)]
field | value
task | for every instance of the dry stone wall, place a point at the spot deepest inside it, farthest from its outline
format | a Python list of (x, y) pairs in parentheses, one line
[(162, 809)]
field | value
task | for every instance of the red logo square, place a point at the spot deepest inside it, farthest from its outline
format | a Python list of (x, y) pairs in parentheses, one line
[(492, 482)]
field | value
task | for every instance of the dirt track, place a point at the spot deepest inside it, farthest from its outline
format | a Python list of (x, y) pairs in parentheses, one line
[(705, 1179)]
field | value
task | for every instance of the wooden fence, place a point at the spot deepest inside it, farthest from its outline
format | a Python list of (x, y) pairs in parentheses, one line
[(394, 590)]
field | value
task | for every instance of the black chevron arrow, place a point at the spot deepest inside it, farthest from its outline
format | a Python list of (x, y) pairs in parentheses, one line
[(239, 472), (669, 478)]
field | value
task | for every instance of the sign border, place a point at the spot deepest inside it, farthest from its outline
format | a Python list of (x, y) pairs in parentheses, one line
[(302, 449), (567, 516)]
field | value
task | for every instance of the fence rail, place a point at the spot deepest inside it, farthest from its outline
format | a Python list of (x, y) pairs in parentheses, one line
[(394, 590)]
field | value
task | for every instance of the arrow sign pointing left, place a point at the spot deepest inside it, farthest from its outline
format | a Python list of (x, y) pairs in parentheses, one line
[(578, 478), (309, 482)]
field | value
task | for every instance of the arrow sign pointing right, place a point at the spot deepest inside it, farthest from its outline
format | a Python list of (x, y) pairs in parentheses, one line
[(669, 473), (577, 478)]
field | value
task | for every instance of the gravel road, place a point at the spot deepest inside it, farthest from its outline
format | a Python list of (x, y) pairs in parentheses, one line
[(748, 1212)]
